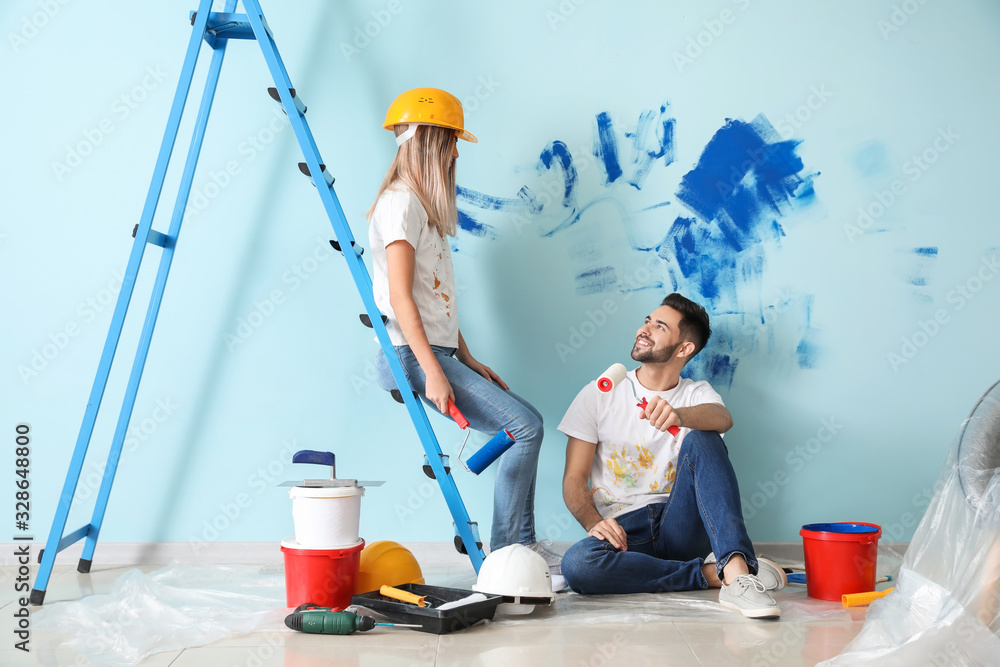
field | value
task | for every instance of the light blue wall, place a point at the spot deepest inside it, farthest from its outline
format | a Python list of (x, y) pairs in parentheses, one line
[(808, 303)]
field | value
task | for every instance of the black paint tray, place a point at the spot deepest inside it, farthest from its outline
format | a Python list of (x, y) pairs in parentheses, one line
[(428, 618)]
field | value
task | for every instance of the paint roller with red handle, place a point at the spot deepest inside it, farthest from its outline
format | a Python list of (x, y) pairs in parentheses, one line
[(489, 452), (459, 418), (612, 377)]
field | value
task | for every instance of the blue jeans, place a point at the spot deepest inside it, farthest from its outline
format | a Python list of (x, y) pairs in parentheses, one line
[(668, 542), (489, 409)]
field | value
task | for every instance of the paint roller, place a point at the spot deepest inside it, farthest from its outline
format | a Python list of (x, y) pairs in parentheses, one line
[(489, 452), (860, 599), (612, 377)]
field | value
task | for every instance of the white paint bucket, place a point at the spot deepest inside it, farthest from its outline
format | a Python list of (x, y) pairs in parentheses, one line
[(326, 517)]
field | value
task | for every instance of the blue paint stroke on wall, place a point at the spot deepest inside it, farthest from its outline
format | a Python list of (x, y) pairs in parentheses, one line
[(746, 180), (918, 268), (870, 159), (602, 279), (606, 147), (467, 223), (646, 149), (744, 177), (806, 353), (558, 152)]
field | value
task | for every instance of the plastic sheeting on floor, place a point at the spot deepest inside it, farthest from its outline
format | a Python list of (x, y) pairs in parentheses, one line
[(178, 607), (945, 609)]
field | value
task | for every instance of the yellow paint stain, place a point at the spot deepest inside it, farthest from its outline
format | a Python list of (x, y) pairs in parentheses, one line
[(645, 457)]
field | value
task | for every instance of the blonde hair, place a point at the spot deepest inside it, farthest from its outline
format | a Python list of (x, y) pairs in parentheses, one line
[(423, 163)]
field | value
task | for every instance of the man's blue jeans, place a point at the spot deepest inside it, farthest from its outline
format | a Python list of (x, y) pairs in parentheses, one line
[(489, 409), (668, 542)]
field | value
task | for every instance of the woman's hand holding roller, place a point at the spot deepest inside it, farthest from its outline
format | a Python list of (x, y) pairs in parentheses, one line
[(438, 390)]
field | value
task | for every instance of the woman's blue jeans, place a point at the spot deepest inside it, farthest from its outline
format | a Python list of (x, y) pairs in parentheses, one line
[(668, 541), (489, 409)]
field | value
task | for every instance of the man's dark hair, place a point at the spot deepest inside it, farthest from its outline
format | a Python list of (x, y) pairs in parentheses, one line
[(694, 320)]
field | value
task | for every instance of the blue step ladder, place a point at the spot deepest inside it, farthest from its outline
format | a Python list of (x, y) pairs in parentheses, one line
[(216, 29)]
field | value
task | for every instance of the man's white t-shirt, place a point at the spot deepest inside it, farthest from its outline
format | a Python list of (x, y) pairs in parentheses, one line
[(399, 216), (635, 464)]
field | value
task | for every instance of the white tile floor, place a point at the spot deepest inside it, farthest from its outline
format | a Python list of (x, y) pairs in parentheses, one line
[(676, 629)]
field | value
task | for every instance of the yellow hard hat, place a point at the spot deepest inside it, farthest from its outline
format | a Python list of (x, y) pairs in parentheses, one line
[(428, 106), (387, 563)]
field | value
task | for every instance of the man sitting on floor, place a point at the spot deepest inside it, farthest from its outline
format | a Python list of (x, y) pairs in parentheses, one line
[(662, 513)]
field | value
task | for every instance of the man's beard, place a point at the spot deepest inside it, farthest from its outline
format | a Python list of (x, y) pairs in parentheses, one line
[(652, 355)]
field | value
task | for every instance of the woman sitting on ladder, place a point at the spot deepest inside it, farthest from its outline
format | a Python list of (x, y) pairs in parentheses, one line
[(413, 216)]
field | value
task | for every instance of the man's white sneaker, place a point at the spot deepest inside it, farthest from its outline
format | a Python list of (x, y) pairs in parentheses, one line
[(552, 559), (769, 572), (748, 596)]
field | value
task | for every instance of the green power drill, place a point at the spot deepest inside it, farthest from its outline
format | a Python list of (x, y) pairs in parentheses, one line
[(320, 620)]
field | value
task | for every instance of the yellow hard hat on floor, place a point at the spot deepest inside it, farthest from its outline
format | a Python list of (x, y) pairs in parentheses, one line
[(387, 563), (428, 106)]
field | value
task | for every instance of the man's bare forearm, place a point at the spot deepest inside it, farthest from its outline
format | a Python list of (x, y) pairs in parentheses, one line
[(706, 417), (580, 501)]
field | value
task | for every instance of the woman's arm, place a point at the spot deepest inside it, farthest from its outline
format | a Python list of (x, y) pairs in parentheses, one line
[(401, 260)]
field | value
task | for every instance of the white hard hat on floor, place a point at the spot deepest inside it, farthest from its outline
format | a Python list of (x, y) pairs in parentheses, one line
[(520, 575)]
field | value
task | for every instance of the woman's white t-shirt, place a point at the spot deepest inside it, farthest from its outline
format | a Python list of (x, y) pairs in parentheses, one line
[(399, 216), (635, 464)]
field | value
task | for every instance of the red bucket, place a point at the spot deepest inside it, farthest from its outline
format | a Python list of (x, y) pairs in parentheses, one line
[(325, 577), (840, 558)]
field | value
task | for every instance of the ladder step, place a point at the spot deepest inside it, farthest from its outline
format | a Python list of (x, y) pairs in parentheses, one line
[(304, 168), (154, 237), (460, 545), (358, 250), (367, 321), (429, 471), (224, 25), (398, 397), (273, 92)]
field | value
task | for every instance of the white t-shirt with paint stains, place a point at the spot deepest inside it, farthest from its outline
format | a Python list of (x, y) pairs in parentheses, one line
[(635, 464), (399, 216)]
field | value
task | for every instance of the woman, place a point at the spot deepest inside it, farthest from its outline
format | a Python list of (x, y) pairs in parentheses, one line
[(413, 216)]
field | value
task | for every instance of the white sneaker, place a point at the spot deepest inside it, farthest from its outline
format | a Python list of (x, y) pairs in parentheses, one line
[(768, 572), (748, 596), (552, 559)]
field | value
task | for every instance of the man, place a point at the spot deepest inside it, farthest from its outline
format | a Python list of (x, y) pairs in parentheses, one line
[(660, 508)]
